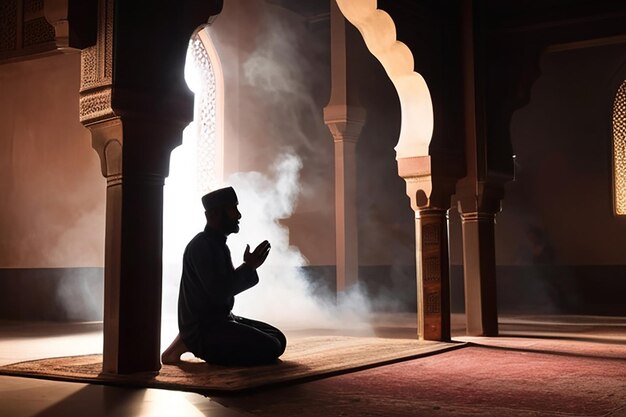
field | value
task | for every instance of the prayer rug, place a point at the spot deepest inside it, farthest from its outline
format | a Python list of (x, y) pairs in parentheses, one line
[(306, 358)]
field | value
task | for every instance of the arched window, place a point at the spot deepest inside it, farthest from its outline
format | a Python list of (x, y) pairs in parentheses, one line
[(619, 150)]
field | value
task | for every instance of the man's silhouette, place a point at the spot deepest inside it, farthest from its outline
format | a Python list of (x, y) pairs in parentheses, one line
[(208, 286)]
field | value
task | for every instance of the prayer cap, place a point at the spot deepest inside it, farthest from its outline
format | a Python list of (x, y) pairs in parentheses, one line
[(219, 197)]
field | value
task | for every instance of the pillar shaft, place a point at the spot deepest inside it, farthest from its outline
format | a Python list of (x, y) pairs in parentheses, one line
[(344, 118), (133, 259), (135, 176), (433, 274), (479, 270), (489, 167), (478, 207), (346, 235)]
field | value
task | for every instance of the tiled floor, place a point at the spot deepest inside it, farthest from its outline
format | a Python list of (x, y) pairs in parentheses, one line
[(25, 397)]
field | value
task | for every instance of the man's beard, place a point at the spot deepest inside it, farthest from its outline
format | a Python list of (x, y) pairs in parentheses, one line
[(230, 225), (234, 227)]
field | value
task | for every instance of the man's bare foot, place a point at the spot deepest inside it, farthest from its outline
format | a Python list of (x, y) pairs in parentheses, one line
[(174, 351)]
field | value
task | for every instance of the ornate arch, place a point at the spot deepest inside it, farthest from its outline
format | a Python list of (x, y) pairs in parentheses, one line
[(379, 32)]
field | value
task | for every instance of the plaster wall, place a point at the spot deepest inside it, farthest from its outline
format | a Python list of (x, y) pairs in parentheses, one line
[(52, 210), (559, 247), (559, 208)]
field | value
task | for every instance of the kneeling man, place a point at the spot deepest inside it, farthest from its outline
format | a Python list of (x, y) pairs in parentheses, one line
[(208, 286)]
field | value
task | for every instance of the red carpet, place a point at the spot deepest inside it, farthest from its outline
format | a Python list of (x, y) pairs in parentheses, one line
[(467, 382)]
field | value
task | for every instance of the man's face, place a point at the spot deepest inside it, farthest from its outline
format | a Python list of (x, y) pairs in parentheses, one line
[(230, 219)]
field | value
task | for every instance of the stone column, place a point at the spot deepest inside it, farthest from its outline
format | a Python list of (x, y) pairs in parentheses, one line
[(136, 104), (133, 238), (479, 259), (489, 165), (345, 128), (430, 199), (345, 118)]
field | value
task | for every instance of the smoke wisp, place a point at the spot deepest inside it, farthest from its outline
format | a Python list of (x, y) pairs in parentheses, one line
[(285, 292)]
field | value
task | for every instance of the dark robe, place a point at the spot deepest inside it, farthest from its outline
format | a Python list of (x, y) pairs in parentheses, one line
[(208, 287)]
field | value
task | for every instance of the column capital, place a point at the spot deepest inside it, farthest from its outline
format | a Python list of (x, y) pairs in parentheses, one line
[(431, 212), (106, 139), (426, 185), (477, 217), (134, 145), (485, 199), (344, 121)]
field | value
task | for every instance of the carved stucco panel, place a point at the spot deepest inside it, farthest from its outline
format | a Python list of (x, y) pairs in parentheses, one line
[(37, 31), (97, 72), (88, 68), (32, 6), (105, 57), (95, 105)]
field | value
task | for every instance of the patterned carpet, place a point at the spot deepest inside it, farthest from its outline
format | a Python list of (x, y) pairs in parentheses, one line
[(306, 358)]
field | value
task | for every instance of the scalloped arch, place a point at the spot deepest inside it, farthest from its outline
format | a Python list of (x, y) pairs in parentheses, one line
[(379, 32)]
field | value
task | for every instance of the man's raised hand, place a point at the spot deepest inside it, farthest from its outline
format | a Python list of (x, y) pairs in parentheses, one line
[(256, 258)]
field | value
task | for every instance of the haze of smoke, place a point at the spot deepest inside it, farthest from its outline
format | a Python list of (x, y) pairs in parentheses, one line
[(80, 288), (280, 70), (284, 294), (79, 292)]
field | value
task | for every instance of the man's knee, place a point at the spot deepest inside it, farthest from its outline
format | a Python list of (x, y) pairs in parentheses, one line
[(259, 349), (266, 329), (282, 340), (255, 355), (271, 348)]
